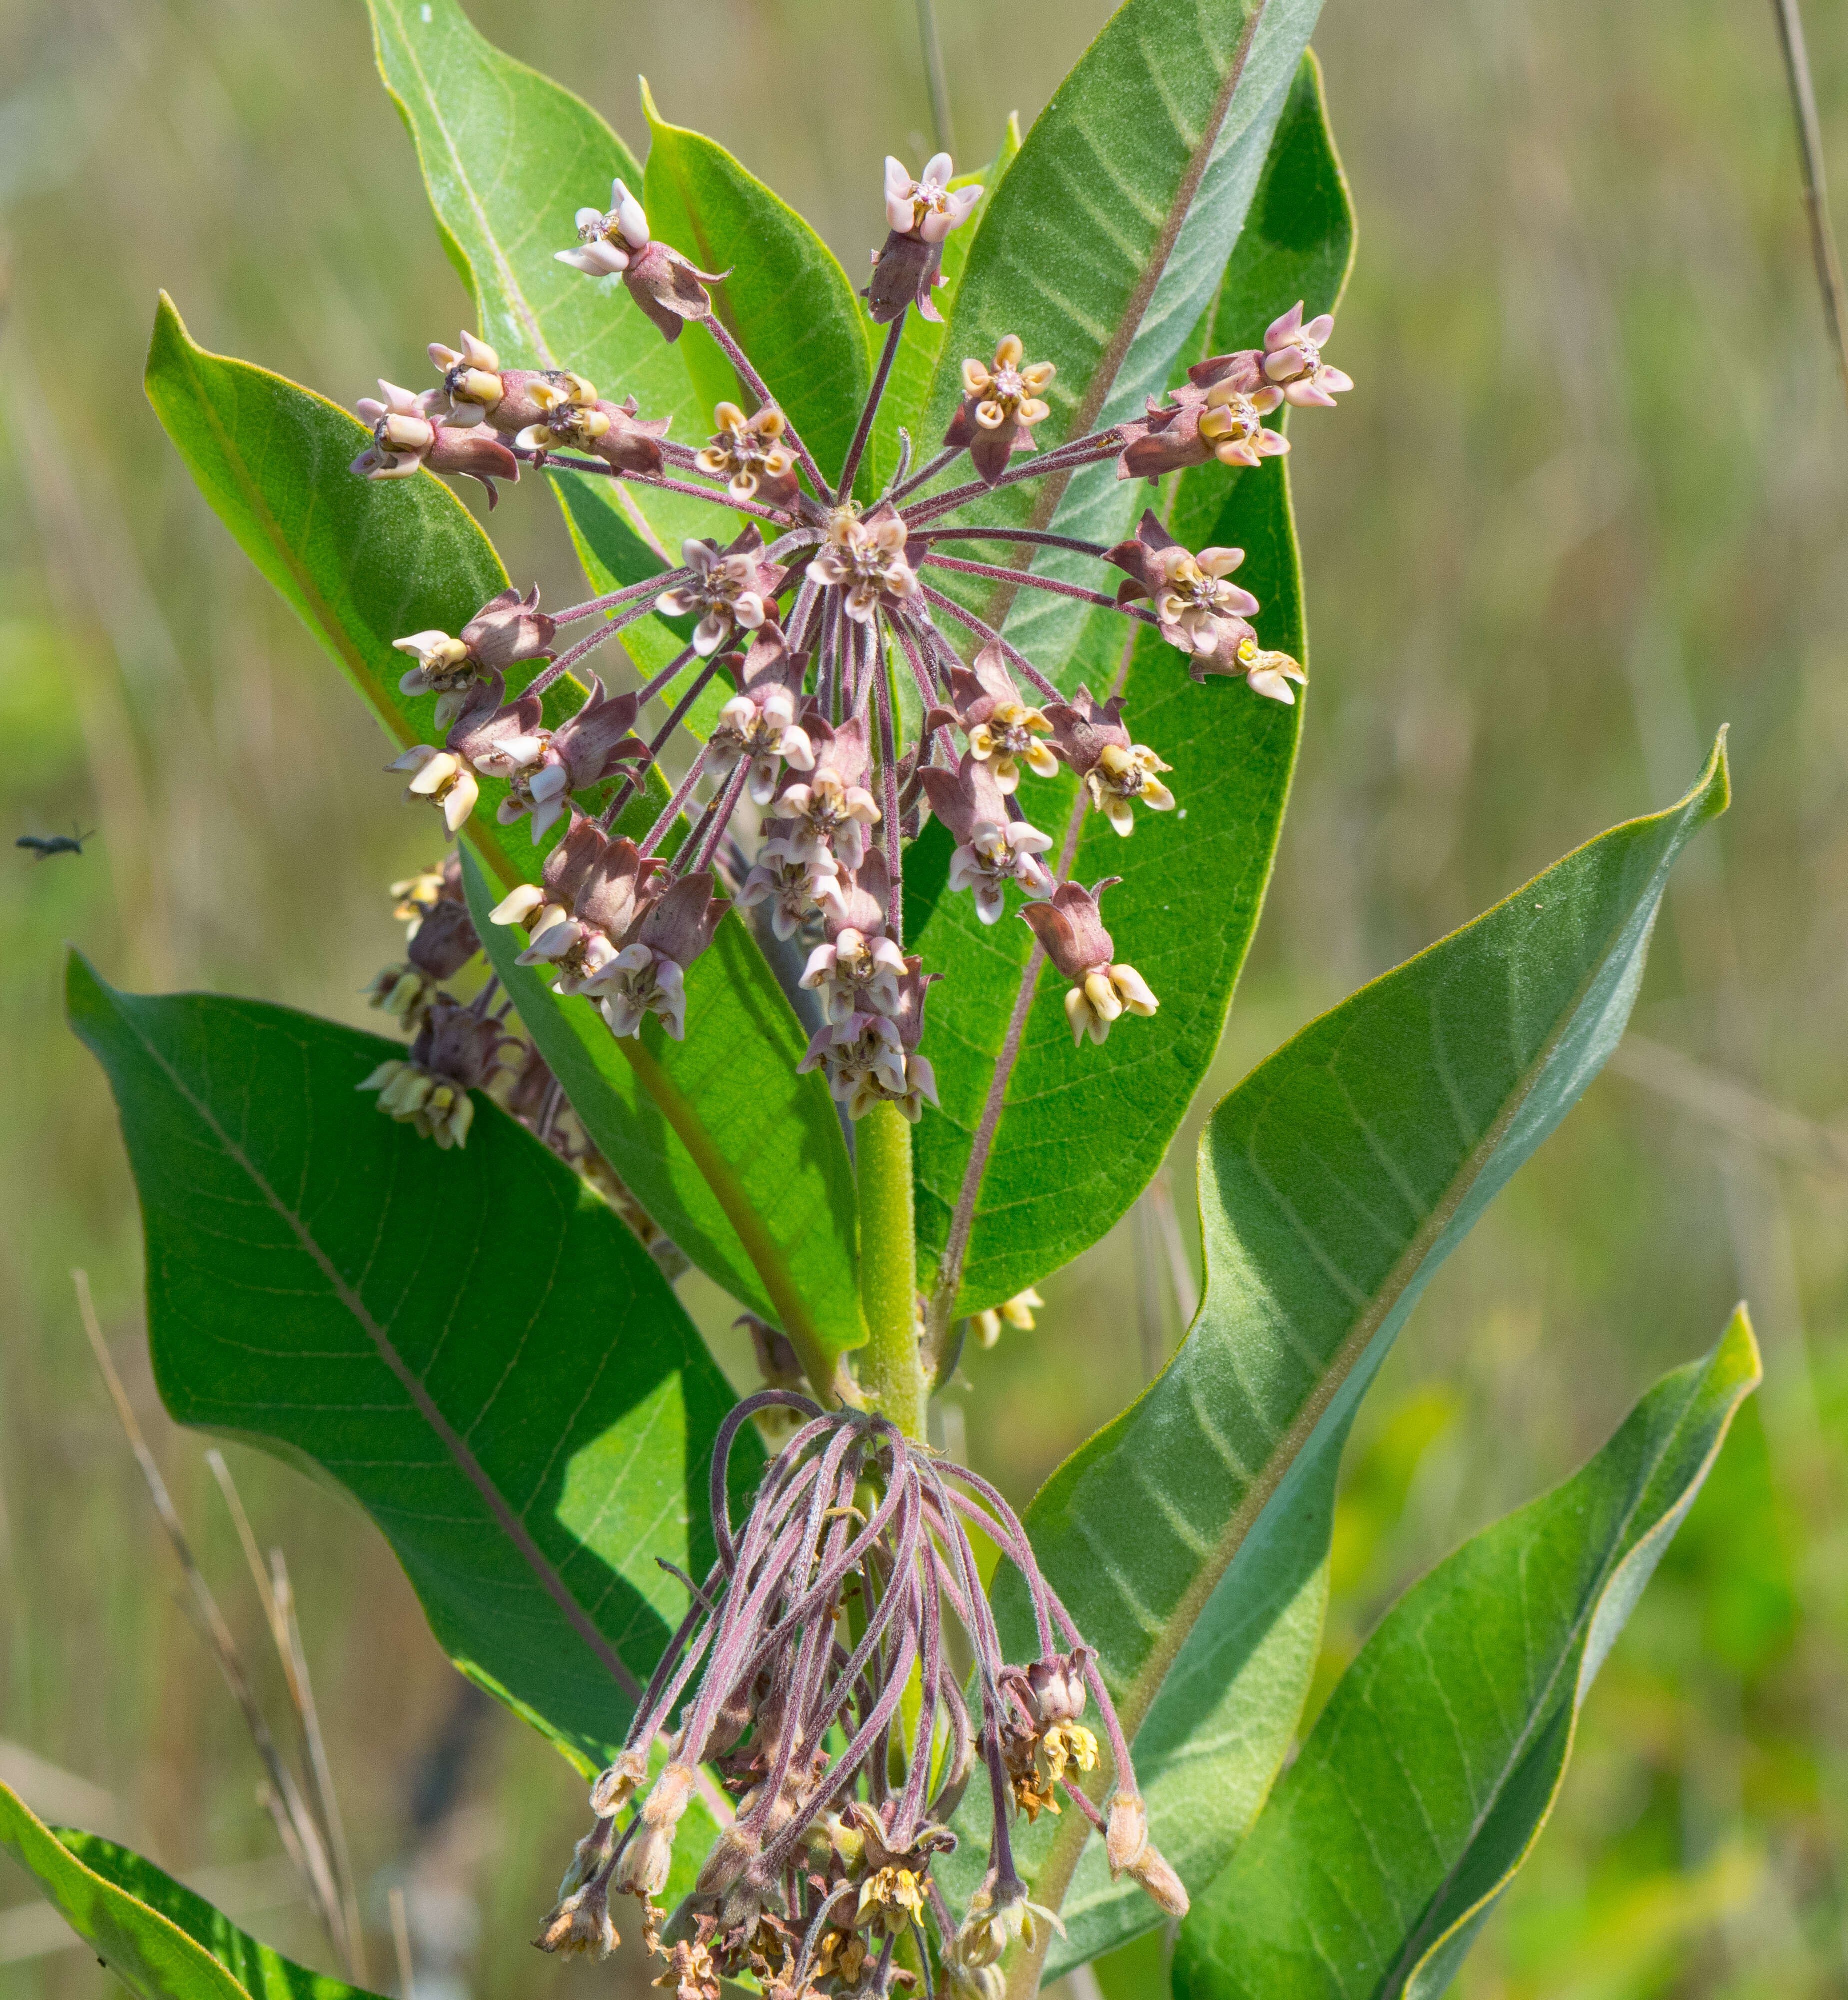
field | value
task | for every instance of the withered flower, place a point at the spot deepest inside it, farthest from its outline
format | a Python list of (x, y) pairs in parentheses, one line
[(1072, 930), (999, 408)]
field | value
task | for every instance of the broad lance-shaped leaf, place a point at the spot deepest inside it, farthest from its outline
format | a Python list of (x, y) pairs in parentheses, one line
[(1106, 243), (787, 303), (1435, 1764), (469, 1342), (658, 1100), (1188, 1537), (364, 563), (160, 1939), (509, 157), (1193, 885)]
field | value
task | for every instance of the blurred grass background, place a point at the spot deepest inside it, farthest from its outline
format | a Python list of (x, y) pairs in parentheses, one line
[(1588, 503)]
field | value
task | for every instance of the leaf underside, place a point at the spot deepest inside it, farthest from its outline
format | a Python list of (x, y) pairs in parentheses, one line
[(468, 1342)]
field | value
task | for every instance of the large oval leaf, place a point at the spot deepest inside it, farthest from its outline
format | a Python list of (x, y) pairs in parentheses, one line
[(1106, 243), (1188, 1537), (469, 1342), (162, 1941), (1435, 1764), (656, 1100), (364, 563), (787, 303), (1193, 887)]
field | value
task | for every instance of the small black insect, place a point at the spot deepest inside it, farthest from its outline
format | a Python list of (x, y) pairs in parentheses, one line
[(46, 844)]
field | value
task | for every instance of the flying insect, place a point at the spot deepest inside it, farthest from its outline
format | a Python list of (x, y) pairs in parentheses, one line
[(46, 844)]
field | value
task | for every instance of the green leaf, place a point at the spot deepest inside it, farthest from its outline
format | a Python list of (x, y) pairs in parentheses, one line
[(1189, 1537), (1105, 245), (787, 303), (1430, 1774), (469, 1342), (365, 562), (509, 157), (1192, 888), (739, 1159), (162, 1941)]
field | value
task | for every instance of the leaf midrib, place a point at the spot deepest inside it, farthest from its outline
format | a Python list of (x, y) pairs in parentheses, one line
[(510, 285), (465, 1460)]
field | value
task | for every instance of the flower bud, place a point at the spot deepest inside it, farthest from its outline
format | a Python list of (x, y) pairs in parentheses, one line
[(1154, 1874), (1126, 1831)]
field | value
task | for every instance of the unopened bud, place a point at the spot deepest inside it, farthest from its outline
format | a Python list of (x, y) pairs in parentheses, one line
[(1126, 1831), (1153, 1871)]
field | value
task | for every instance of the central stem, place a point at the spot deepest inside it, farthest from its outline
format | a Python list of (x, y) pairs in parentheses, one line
[(891, 1371)]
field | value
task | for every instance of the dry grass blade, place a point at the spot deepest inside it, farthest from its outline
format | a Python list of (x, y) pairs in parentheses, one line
[(295, 1657), (1815, 181), (295, 1825), (1180, 1266), (1732, 1106), (401, 1938)]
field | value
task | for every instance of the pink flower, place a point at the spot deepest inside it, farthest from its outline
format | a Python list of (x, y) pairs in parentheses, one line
[(1293, 358)]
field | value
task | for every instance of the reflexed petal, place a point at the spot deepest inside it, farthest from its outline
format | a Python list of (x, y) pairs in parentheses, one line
[(461, 801), (1285, 327), (1133, 988)]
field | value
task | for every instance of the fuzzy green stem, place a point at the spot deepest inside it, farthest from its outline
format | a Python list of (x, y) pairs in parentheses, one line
[(892, 1373)]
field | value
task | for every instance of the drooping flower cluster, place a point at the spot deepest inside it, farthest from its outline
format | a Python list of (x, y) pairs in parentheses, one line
[(807, 634), (825, 1607)]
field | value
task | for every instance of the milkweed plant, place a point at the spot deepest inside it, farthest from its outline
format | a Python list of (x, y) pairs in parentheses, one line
[(843, 900)]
